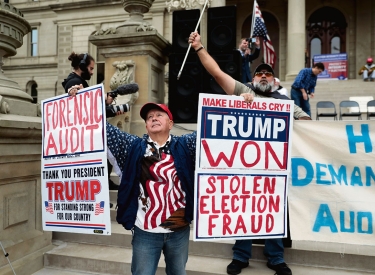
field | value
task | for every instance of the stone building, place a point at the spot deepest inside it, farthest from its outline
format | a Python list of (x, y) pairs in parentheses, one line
[(60, 27)]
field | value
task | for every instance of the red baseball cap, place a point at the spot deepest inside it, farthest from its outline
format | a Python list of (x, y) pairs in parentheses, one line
[(149, 106)]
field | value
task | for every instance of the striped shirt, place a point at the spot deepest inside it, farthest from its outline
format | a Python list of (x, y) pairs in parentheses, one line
[(305, 80), (161, 194), (161, 200)]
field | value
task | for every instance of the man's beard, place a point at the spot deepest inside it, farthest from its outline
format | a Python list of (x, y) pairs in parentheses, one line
[(85, 75), (266, 88)]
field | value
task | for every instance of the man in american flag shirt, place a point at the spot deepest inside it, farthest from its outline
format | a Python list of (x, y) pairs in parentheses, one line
[(156, 194)]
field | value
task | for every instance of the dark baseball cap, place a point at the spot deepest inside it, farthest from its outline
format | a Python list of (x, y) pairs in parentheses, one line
[(264, 67), (149, 106)]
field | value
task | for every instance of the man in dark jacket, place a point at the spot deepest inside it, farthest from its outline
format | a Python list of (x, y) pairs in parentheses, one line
[(156, 194), (248, 57)]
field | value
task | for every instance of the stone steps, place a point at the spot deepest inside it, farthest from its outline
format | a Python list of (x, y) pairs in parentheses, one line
[(77, 258), (255, 268), (302, 254), (336, 91)]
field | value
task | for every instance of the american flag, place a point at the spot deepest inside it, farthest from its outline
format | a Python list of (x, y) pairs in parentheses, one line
[(48, 206), (99, 208), (259, 29)]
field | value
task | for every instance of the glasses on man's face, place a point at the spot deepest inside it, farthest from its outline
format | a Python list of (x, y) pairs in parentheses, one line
[(267, 74)]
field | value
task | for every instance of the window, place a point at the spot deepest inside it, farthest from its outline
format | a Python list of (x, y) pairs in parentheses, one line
[(335, 45), (316, 47), (329, 25), (31, 89), (34, 93), (34, 42)]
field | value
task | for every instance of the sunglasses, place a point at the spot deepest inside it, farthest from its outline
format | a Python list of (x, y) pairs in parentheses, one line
[(268, 74)]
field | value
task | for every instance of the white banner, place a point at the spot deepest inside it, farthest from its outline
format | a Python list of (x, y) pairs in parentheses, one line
[(332, 186), (75, 195), (242, 167)]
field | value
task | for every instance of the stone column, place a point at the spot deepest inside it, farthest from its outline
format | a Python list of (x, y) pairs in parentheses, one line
[(138, 42), (158, 10), (364, 36), (218, 3), (296, 38), (21, 232), (12, 29)]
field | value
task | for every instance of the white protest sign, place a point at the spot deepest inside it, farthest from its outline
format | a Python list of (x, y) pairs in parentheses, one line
[(240, 205), (332, 187), (75, 195), (242, 166)]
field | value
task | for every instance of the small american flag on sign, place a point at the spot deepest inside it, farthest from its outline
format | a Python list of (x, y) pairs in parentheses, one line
[(48, 206), (260, 30), (99, 208)]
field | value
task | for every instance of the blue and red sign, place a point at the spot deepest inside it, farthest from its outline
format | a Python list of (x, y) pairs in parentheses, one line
[(242, 166), (336, 66)]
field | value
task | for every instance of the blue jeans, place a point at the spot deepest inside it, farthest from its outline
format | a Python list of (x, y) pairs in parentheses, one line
[(147, 248), (367, 76), (273, 250), (296, 95)]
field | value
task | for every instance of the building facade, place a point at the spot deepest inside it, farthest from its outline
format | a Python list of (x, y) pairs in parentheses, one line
[(298, 29)]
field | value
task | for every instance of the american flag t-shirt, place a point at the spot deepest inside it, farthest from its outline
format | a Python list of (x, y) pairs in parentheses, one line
[(260, 30)]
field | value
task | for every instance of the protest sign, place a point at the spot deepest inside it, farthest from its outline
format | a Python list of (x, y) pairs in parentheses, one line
[(75, 195), (242, 165), (336, 66), (331, 194), (240, 205)]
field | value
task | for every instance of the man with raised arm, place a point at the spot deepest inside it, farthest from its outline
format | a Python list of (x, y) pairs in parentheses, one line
[(262, 85), (263, 80)]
